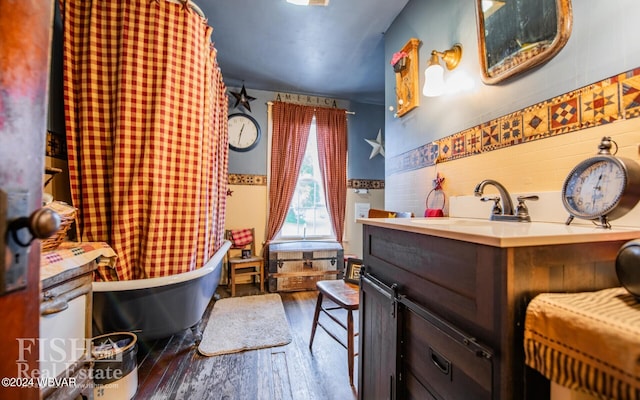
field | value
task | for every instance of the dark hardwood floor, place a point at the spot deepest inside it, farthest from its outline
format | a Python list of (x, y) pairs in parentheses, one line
[(172, 368)]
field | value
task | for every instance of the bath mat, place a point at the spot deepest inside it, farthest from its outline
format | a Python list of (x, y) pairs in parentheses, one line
[(245, 323)]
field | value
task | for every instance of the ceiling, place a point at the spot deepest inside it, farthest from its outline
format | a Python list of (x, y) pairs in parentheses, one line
[(335, 51)]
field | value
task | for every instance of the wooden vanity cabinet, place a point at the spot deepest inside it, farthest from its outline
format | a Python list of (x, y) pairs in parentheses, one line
[(377, 340), (443, 318), (439, 360)]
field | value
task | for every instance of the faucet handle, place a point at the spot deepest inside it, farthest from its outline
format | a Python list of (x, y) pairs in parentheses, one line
[(521, 209), (496, 204), (521, 199)]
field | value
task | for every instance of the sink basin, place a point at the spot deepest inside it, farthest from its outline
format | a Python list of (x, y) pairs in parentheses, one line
[(451, 221)]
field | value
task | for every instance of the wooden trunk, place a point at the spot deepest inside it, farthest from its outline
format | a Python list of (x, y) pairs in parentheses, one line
[(299, 265)]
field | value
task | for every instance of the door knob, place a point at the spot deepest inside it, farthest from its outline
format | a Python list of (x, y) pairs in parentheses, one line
[(17, 232), (41, 224), (44, 222)]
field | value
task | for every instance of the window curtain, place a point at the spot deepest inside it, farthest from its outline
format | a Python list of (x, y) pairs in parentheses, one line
[(145, 114), (331, 126), (291, 125)]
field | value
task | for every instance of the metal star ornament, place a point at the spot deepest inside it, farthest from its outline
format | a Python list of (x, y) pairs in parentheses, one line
[(377, 145), (243, 98)]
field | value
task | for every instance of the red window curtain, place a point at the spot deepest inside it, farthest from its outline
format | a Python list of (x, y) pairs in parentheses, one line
[(291, 125), (332, 154)]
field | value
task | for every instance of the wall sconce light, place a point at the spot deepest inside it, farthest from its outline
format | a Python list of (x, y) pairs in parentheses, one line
[(434, 74), (309, 2)]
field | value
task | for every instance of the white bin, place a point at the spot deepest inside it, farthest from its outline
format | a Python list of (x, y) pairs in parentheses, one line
[(115, 367)]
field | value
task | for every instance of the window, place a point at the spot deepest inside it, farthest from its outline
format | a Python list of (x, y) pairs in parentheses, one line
[(308, 216)]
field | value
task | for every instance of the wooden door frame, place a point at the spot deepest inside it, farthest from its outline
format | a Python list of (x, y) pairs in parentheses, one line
[(25, 34)]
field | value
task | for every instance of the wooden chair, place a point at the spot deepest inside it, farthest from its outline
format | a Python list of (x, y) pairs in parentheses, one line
[(345, 294), (376, 213), (247, 264)]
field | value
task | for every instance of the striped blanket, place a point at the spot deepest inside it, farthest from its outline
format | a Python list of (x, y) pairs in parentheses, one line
[(586, 341)]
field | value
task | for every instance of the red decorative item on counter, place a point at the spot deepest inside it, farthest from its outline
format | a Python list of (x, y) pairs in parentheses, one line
[(435, 212)]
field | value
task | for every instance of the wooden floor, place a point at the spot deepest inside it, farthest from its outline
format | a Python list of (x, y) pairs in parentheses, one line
[(173, 369)]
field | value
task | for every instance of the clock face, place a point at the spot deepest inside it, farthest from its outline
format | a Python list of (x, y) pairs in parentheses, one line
[(244, 132), (594, 187)]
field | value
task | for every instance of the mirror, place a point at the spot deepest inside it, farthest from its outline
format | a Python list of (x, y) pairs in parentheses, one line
[(516, 35)]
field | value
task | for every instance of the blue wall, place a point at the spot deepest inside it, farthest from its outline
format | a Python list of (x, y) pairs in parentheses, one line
[(603, 43), (366, 122), (369, 118), (253, 162)]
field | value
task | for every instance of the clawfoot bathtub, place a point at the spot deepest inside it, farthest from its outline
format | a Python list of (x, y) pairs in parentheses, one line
[(157, 307)]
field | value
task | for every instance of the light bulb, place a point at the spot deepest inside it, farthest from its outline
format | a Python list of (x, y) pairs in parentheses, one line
[(433, 81)]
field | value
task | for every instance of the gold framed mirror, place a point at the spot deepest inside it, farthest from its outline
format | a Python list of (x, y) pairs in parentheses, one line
[(516, 35)]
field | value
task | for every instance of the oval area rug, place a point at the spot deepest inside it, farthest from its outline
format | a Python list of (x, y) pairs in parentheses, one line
[(245, 323)]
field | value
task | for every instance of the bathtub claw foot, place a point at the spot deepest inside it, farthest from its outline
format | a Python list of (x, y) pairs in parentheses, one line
[(197, 334)]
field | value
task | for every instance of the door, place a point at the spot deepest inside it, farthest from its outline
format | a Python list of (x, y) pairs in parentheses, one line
[(377, 353), (25, 37)]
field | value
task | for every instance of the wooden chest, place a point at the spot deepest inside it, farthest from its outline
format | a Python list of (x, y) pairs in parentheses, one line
[(299, 265)]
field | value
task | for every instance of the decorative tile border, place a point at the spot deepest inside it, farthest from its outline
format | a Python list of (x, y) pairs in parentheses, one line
[(365, 184), (597, 104), (261, 180), (247, 179), (418, 158)]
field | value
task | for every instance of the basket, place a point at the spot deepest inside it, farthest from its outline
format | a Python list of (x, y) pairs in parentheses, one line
[(67, 215)]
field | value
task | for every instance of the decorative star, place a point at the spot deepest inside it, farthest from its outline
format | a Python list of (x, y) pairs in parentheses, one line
[(437, 183), (186, 6), (377, 145), (229, 192), (243, 98)]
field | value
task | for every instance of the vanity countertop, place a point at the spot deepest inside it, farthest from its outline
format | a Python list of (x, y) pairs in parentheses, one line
[(505, 234)]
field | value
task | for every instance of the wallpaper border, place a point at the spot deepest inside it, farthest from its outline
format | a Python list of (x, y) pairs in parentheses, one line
[(247, 179), (603, 102), (261, 180)]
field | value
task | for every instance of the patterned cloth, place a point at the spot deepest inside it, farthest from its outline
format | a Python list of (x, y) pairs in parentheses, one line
[(146, 120), (241, 237), (70, 255), (588, 341)]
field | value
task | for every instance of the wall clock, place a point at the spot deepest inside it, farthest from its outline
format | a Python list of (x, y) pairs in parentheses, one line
[(602, 187), (244, 132)]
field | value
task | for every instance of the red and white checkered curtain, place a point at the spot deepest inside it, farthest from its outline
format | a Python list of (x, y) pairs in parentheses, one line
[(291, 126), (145, 111), (332, 155)]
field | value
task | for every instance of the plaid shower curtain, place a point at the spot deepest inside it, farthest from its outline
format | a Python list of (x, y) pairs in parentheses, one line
[(145, 113)]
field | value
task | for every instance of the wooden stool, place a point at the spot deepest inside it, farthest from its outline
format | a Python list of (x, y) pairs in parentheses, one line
[(252, 265), (347, 297)]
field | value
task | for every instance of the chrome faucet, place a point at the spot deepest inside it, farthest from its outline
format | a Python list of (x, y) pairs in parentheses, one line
[(507, 205), (506, 211)]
